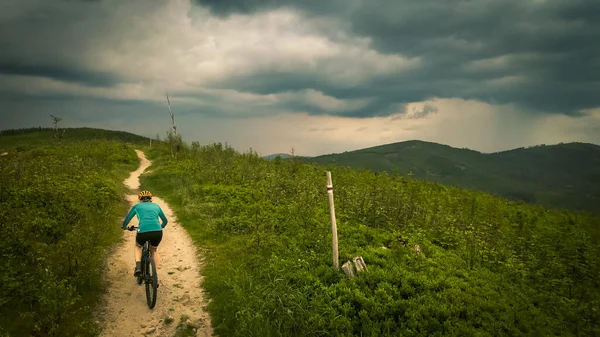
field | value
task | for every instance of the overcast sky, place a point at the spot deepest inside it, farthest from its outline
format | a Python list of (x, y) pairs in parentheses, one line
[(319, 76)]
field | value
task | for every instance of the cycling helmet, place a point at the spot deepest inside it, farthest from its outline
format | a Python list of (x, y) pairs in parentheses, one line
[(145, 195)]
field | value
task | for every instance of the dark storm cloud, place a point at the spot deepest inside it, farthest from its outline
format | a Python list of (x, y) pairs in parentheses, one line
[(52, 39), (549, 49), (67, 74), (226, 7)]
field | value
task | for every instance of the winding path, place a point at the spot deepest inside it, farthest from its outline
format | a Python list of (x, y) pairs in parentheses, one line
[(123, 310)]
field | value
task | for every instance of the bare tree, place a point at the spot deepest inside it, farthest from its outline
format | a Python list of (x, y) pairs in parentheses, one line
[(172, 137), (172, 116), (55, 120), (57, 134)]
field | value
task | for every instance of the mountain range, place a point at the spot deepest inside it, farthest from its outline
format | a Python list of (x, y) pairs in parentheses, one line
[(565, 175)]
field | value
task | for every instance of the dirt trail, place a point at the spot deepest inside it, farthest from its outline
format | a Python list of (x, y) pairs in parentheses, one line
[(123, 310)]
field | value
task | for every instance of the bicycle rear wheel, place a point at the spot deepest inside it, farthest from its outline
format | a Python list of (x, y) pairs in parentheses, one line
[(151, 282)]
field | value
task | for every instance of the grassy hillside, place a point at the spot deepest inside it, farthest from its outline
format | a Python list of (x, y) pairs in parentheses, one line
[(488, 267), (60, 204), (559, 176), (24, 139)]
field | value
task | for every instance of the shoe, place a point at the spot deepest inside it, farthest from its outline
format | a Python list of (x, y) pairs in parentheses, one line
[(137, 272)]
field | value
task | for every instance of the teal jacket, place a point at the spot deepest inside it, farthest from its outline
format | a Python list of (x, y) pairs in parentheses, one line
[(147, 213)]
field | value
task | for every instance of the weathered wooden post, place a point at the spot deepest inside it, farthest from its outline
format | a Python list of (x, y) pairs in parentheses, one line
[(359, 264), (348, 269), (333, 223)]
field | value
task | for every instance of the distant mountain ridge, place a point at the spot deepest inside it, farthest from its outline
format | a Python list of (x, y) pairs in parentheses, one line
[(565, 175), (275, 155), (282, 156)]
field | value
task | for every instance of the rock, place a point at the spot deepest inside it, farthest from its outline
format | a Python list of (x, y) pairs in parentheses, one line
[(150, 331), (143, 325)]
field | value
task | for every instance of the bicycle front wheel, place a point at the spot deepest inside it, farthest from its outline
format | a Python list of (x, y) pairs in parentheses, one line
[(151, 282)]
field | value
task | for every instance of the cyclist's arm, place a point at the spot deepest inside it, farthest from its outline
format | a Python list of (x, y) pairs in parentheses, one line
[(163, 218), (128, 217)]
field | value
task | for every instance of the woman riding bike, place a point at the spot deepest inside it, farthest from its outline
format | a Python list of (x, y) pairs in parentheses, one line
[(149, 228)]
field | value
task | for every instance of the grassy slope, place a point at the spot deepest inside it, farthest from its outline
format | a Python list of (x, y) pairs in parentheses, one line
[(59, 205), (560, 176), (489, 267), (24, 139)]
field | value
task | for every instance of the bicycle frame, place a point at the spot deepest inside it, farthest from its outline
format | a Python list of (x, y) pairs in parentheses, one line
[(148, 275)]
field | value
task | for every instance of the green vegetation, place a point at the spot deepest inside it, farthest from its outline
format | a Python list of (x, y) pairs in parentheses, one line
[(488, 267), (60, 204), (30, 138), (557, 176)]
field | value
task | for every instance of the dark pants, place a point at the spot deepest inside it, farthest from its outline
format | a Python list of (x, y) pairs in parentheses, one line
[(154, 237)]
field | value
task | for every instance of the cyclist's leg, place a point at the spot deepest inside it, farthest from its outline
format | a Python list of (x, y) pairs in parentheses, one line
[(139, 241), (155, 240), (155, 256)]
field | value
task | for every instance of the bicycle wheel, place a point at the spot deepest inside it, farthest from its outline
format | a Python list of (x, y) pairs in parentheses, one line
[(151, 282)]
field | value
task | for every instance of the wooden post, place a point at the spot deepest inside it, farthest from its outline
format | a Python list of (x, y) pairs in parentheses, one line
[(336, 263), (359, 263)]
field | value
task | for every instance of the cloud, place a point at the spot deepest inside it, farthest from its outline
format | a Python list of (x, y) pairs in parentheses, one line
[(540, 55), (135, 55), (459, 123), (417, 112), (371, 72)]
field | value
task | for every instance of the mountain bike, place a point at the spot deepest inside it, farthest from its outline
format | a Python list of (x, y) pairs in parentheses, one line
[(148, 274)]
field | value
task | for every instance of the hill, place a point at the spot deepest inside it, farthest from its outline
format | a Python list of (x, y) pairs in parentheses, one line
[(28, 138), (275, 155), (558, 176), (486, 267), (60, 206)]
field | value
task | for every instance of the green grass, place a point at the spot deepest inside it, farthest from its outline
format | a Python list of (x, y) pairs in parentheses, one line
[(490, 266), (60, 205), (27, 139)]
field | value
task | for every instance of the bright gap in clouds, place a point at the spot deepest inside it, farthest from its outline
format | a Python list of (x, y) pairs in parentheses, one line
[(458, 123)]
